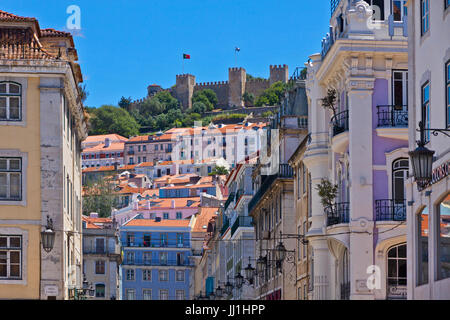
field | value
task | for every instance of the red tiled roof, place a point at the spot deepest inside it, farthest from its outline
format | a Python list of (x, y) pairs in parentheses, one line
[(166, 203), (101, 138), (114, 146), (50, 32), (153, 223), (98, 169), (203, 218), (145, 164), (6, 16)]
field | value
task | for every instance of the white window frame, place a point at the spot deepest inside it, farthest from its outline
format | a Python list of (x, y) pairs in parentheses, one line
[(24, 166), (8, 172), (163, 279), (178, 295), (163, 291), (180, 279), (15, 232), (146, 275), (144, 291), (130, 291), (23, 82), (130, 275)]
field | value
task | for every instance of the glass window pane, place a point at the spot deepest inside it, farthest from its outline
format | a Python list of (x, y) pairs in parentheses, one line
[(3, 164), (444, 238), (3, 270), (3, 186), (14, 270), (3, 242), (422, 253), (2, 87), (402, 251), (2, 108), (402, 268), (14, 108), (3, 257), (14, 88), (392, 268), (14, 164), (15, 185), (14, 257), (14, 242)]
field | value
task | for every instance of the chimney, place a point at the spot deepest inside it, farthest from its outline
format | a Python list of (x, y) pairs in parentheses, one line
[(107, 142), (93, 215)]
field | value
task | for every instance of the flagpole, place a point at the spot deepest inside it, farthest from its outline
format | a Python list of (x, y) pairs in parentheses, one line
[(183, 65)]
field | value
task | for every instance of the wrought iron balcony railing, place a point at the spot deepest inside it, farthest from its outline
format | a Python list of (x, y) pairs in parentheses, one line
[(390, 210), (338, 213), (340, 122), (299, 74), (229, 200), (392, 116), (243, 221), (225, 226), (285, 171), (156, 262)]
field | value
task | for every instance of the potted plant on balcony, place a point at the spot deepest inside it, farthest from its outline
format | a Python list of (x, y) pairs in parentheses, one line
[(327, 193), (328, 103)]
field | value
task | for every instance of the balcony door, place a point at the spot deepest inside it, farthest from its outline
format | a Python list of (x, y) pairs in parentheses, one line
[(400, 88), (396, 272), (400, 172)]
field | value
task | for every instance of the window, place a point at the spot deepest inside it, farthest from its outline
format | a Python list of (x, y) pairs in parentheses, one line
[(299, 244), (130, 274), (163, 239), (298, 182), (156, 147), (100, 245), (10, 257), (305, 246), (425, 15), (165, 215), (147, 257), (426, 109), (400, 172), (422, 246), (163, 275), (144, 159), (99, 290), (10, 101), (179, 216), (447, 90), (163, 258), (11, 179), (130, 240), (139, 148), (146, 275), (163, 294), (180, 295), (179, 239), (180, 275), (443, 239), (131, 294), (396, 273), (147, 240), (378, 8), (99, 267), (147, 294), (130, 257), (447, 3), (399, 10)]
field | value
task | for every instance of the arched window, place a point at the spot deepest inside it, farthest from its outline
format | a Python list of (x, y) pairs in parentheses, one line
[(443, 236), (10, 101), (396, 271), (422, 247)]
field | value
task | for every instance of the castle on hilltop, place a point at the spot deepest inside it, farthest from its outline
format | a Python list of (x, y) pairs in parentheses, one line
[(229, 93)]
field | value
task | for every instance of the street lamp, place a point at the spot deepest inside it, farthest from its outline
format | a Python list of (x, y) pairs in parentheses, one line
[(228, 287), (212, 296), (261, 265), (48, 236), (249, 272), (239, 280), (422, 158), (219, 292), (280, 251)]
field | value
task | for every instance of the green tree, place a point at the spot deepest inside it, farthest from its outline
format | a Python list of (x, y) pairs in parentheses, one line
[(99, 197), (249, 98), (125, 103), (273, 95), (200, 97), (329, 100), (219, 171), (327, 193), (108, 119), (198, 107)]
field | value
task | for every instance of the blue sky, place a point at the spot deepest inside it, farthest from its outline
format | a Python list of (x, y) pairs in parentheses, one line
[(127, 45)]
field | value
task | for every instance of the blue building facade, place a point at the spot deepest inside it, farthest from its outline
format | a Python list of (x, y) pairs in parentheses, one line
[(156, 259)]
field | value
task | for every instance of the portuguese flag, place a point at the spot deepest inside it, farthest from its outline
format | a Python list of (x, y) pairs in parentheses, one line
[(186, 56)]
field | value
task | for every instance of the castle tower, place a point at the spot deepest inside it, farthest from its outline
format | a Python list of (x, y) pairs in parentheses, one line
[(279, 73), (236, 79), (184, 89)]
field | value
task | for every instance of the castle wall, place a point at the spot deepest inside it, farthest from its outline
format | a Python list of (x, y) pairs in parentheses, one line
[(221, 89), (256, 87)]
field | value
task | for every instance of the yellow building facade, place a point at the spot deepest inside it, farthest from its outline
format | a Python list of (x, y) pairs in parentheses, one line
[(42, 125)]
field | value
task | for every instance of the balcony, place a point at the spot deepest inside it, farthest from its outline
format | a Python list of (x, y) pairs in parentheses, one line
[(340, 127), (130, 152), (390, 210), (241, 222), (284, 172), (157, 244), (392, 122), (225, 226), (157, 262), (229, 200), (338, 213)]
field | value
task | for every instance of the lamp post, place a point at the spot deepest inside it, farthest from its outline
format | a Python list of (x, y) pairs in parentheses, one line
[(48, 236), (422, 157), (219, 292)]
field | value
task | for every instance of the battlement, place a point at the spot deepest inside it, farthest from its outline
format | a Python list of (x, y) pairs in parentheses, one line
[(275, 67), (258, 80), (236, 69), (209, 84), (184, 76)]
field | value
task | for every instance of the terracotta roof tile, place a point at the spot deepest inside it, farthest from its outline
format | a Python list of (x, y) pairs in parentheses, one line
[(153, 223), (114, 146), (203, 218), (6, 16), (101, 138)]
